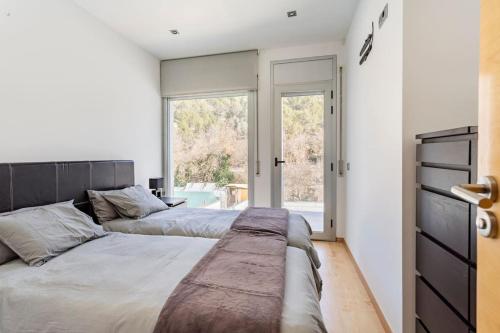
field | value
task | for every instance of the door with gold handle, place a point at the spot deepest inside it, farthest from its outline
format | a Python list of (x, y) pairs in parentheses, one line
[(488, 249)]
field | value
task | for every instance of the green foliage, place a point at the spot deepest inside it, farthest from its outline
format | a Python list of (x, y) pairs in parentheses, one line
[(210, 140), (211, 168), (222, 174), (303, 147)]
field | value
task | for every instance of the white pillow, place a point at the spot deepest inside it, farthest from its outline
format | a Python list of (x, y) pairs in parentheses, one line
[(42, 233)]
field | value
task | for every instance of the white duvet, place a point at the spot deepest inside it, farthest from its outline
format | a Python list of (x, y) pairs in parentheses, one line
[(207, 223), (119, 283)]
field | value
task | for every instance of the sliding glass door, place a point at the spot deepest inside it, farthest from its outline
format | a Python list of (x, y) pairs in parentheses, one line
[(208, 150)]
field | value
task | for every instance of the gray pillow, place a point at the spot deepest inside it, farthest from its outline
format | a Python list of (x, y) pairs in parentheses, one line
[(37, 235), (18, 211), (6, 254), (103, 210), (135, 202)]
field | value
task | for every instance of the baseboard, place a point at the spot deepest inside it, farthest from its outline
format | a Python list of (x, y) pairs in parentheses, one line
[(379, 312)]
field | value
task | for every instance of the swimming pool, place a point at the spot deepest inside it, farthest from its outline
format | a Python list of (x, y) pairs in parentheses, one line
[(197, 199)]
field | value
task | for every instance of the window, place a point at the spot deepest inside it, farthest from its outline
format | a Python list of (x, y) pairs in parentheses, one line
[(208, 150)]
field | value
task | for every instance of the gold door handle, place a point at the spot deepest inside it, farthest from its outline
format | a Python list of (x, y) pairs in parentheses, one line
[(483, 194)]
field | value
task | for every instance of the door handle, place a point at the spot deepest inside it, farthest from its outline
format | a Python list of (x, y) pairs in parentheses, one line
[(276, 162), (483, 194)]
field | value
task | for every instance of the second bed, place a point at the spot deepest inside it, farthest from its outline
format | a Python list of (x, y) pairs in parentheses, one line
[(207, 223)]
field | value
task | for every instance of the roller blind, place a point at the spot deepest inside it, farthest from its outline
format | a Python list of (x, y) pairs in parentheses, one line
[(303, 71), (207, 74)]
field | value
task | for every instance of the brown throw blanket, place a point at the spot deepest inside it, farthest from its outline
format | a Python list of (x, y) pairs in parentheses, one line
[(238, 286)]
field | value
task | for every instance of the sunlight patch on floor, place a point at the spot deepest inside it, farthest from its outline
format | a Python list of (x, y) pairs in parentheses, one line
[(345, 303)]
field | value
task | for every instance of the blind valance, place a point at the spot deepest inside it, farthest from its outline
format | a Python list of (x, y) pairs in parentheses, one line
[(208, 74)]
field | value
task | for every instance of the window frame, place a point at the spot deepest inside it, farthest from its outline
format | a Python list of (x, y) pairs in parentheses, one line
[(167, 147)]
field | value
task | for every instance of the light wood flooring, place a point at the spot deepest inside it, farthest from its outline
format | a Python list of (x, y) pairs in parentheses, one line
[(345, 303)]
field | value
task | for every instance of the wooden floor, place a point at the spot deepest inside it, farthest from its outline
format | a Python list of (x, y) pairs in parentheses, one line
[(345, 303)]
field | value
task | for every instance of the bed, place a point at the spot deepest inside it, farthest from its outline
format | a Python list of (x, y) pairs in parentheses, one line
[(85, 289), (116, 282), (207, 223)]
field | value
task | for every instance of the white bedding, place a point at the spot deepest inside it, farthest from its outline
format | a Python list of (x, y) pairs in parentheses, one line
[(207, 223), (119, 283)]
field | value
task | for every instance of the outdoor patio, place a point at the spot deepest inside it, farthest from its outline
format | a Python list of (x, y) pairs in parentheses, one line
[(312, 212)]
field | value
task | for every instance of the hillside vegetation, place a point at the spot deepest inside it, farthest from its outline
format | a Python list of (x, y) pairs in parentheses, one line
[(211, 143)]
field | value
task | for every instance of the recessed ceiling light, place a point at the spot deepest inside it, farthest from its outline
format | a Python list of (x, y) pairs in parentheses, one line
[(291, 13), (174, 31)]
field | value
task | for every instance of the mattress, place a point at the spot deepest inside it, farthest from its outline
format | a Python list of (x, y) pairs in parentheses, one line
[(119, 283)]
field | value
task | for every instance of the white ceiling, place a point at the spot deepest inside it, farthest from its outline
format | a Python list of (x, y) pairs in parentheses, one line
[(216, 26)]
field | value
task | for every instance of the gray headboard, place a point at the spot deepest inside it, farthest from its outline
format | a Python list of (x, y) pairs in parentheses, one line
[(35, 184)]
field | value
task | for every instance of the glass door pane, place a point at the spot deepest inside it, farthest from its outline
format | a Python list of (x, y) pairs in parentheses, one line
[(210, 151), (303, 153)]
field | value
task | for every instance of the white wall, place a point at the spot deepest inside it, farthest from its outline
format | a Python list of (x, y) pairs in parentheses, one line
[(441, 61), (426, 83), (72, 89), (374, 151), (266, 56)]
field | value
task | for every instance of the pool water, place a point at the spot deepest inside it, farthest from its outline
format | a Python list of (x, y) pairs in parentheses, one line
[(197, 199)]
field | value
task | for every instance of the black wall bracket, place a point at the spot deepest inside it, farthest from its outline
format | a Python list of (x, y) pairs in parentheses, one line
[(367, 47)]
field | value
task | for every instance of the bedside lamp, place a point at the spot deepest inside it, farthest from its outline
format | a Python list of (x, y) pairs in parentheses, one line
[(156, 185)]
